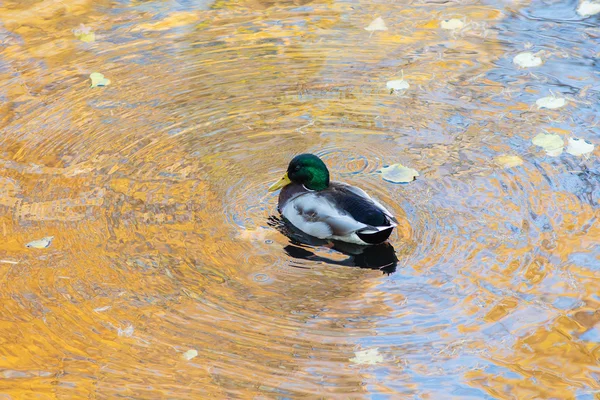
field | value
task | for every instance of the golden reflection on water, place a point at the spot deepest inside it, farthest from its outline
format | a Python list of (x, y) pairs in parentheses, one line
[(154, 189)]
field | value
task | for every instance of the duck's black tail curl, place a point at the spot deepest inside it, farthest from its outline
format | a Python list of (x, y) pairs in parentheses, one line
[(377, 237)]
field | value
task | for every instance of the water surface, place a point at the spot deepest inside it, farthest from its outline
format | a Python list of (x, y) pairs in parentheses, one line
[(166, 240)]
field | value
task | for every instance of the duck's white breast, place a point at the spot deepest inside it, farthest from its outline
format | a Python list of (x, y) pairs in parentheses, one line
[(318, 217)]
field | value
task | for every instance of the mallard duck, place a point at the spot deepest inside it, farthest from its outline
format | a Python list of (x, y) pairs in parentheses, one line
[(330, 210)]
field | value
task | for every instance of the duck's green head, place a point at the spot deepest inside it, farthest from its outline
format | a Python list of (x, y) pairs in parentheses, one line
[(307, 170)]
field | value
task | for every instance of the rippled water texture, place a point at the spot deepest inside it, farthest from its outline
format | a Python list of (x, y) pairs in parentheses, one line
[(170, 274)]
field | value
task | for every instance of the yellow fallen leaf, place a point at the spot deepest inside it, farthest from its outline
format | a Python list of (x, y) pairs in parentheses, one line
[(98, 80), (527, 60), (88, 37), (550, 102), (40, 243), (398, 173), (84, 33), (397, 85), (127, 332), (188, 355), (553, 144), (588, 8), (368, 357), (377, 25), (507, 161), (257, 234), (452, 24)]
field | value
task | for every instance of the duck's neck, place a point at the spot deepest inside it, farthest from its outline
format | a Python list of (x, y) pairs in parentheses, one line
[(319, 180)]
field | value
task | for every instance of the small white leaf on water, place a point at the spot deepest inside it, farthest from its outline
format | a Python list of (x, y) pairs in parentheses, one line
[(588, 8), (84, 34), (40, 243), (398, 173), (188, 355), (259, 234), (397, 85), (368, 357), (377, 25), (98, 80), (128, 331), (527, 60), (509, 161), (579, 147), (452, 24), (553, 144), (551, 102), (100, 309)]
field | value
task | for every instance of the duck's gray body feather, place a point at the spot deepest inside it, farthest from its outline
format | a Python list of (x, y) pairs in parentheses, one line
[(340, 212)]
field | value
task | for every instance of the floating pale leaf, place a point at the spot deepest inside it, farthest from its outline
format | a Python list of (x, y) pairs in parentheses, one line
[(509, 161), (368, 357), (397, 85), (553, 144), (551, 102), (256, 234), (188, 355), (452, 24), (588, 8), (40, 243), (377, 25), (88, 37), (128, 331), (84, 34), (527, 60), (98, 80), (398, 173), (579, 147)]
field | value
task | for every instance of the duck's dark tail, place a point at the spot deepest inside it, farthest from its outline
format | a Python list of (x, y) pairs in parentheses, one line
[(375, 237)]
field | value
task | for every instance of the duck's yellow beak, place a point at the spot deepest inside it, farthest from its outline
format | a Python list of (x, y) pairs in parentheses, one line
[(280, 183)]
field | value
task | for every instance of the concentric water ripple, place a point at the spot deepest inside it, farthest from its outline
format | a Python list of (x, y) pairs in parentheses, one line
[(171, 274)]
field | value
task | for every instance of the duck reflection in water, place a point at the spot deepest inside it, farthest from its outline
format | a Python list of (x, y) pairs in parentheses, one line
[(381, 256)]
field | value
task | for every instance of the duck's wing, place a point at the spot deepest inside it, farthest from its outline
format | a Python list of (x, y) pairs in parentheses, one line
[(361, 205), (316, 214)]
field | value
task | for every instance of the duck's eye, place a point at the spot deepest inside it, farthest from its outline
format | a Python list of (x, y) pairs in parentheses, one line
[(297, 168)]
